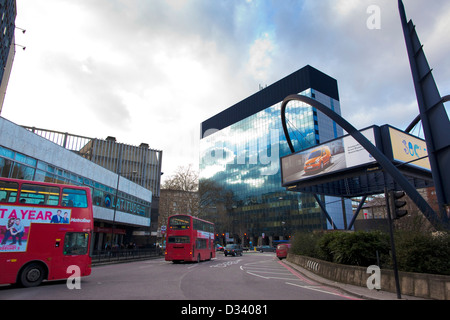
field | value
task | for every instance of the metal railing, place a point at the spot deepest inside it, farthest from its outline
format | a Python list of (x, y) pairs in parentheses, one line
[(119, 255), (141, 165)]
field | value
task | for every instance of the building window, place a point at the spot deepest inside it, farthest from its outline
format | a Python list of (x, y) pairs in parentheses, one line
[(32, 169)]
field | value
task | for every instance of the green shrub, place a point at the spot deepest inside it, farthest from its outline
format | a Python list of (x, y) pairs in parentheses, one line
[(354, 248), (417, 252), (305, 244)]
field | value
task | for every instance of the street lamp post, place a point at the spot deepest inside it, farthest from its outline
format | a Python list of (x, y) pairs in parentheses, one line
[(119, 168)]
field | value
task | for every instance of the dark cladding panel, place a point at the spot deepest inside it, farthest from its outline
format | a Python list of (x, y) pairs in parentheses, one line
[(305, 78)]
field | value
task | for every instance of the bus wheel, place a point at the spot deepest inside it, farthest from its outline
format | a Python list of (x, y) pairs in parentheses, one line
[(198, 258), (32, 275)]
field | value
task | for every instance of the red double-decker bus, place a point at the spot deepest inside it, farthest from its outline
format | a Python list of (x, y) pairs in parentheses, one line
[(44, 229), (189, 239)]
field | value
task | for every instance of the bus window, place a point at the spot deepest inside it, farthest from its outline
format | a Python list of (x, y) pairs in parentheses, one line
[(76, 243), (74, 198), (8, 191), (201, 244), (179, 222), (179, 239), (39, 194)]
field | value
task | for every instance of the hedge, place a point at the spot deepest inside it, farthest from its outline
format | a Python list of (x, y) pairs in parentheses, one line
[(415, 252)]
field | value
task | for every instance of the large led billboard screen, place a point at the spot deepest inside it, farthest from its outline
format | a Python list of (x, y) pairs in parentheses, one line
[(326, 158)]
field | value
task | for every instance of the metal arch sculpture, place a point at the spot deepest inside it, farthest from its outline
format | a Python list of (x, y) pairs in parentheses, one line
[(417, 119), (383, 161), (435, 122)]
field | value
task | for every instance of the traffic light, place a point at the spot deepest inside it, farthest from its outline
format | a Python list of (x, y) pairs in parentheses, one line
[(397, 204)]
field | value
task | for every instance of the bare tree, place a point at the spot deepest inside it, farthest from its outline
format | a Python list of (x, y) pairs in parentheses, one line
[(184, 179), (215, 204), (179, 194), (210, 193), (205, 198)]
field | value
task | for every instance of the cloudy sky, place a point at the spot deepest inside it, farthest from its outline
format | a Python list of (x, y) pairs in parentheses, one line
[(152, 70)]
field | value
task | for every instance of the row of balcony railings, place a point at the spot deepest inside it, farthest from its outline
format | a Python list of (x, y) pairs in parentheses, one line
[(141, 165)]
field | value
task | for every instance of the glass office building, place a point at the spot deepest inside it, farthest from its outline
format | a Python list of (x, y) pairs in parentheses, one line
[(8, 13), (240, 150)]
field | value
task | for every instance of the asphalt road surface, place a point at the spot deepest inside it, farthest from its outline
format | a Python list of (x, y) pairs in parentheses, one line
[(253, 276)]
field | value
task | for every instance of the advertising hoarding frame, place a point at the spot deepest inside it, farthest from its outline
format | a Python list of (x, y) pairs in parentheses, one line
[(363, 179), (347, 155), (388, 167), (405, 149)]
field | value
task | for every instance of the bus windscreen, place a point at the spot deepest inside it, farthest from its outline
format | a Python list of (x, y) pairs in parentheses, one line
[(179, 222)]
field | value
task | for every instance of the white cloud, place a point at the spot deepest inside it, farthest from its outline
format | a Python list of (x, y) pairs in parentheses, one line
[(260, 59), (152, 71)]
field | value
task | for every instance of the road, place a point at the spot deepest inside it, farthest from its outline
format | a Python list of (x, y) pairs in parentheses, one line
[(253, 276)]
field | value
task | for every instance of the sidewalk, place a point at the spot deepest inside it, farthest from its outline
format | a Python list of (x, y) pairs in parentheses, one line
[(361, 292)]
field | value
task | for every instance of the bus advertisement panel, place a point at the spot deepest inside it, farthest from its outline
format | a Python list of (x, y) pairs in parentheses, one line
[(16, 221), (44, 229)]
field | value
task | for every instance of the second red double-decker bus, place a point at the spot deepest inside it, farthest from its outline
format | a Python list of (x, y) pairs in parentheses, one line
[(45, 231), (189, 239)]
